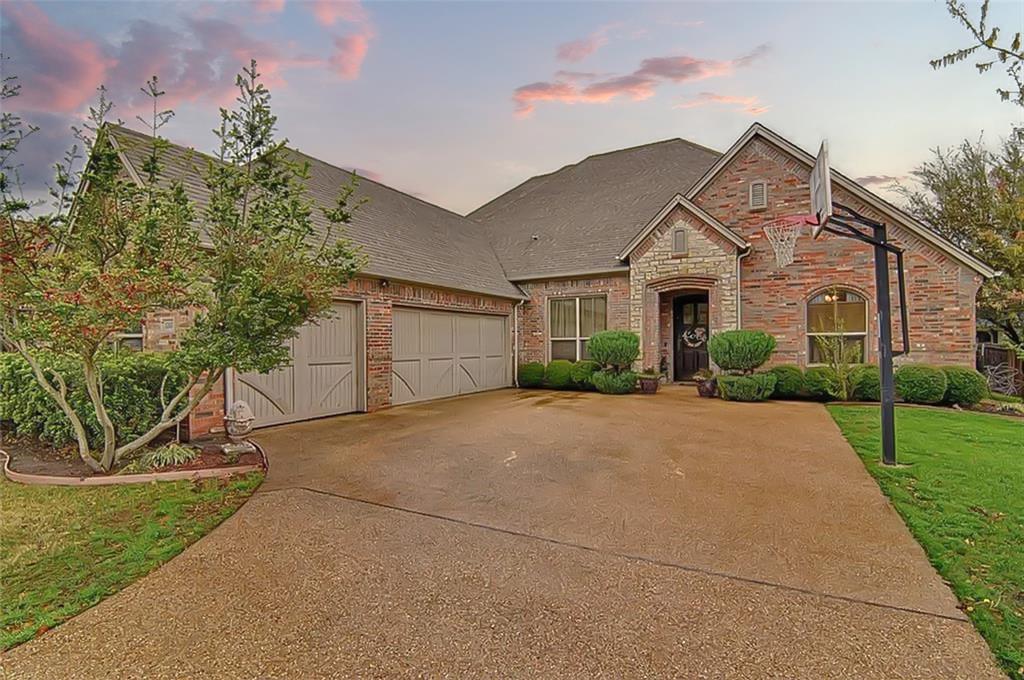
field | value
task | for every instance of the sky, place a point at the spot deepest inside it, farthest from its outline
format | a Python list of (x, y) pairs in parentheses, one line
[(456, 102)]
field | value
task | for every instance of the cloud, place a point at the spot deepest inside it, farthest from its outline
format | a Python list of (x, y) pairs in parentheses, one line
[(751, 105), (638, 85), (349, 53), (578, 50), (59, 69), (330, 12), (869, 180), (268, 6)]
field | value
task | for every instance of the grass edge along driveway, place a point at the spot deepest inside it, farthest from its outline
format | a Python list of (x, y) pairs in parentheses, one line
[(63, 549), (962, 497)]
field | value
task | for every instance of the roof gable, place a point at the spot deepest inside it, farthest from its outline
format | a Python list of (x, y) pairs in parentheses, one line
[(878, 203), (682, 202)]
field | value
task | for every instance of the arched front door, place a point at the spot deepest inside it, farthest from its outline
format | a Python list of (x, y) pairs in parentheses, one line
[(689, 334)]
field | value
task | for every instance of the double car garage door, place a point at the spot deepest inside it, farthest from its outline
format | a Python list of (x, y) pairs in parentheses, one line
[(434, 354)]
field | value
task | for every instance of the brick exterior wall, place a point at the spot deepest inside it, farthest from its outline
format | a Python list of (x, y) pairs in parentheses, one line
[(657, 275), (941, 292), (533, 314), (161, 330)]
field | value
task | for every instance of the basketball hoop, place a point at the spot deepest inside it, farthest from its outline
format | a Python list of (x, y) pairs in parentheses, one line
[(782, 234)]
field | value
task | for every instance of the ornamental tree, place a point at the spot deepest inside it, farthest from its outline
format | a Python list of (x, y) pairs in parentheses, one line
[(250, 261)]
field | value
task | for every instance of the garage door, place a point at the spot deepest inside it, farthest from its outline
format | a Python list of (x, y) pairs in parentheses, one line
[(441, 354), (322, 378)]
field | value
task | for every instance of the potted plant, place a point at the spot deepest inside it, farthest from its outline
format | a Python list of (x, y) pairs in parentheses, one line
[(707, 386), (649, 380)]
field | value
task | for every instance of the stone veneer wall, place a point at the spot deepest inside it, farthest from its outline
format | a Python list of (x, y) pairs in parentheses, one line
[(533, 325), (709, 264), (941, 291)]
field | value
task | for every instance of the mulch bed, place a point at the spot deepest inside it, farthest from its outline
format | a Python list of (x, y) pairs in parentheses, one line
[(32, 456)]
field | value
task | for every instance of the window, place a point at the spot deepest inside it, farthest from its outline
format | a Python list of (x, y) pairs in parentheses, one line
[(129, 339), (758, 195), (571, 322), (836, 313), (679, 241)]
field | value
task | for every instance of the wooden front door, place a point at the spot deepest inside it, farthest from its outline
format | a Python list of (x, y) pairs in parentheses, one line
[(690, 335)]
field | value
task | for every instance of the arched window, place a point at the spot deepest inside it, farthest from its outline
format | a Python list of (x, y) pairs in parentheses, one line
[(837, 320)]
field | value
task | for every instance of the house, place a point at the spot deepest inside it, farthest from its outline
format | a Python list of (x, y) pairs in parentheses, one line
[(663, 239)]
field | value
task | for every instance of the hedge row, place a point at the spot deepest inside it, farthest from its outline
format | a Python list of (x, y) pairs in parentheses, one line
[(560, 374), (915, 384)]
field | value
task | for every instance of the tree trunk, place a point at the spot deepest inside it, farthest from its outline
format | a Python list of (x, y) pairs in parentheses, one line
[(95, 389), (169, 418)]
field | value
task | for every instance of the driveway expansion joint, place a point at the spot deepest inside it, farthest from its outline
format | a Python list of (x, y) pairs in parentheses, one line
[(962, 618)]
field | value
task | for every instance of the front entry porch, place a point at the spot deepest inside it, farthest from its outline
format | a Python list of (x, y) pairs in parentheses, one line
[(689, 335)]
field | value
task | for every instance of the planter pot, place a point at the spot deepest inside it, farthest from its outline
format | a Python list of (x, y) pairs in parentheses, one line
[(707, 388), (649, 384)]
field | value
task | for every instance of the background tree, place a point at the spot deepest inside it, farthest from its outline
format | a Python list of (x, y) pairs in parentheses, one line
[(975, 198), (986, 40), (113, 250)]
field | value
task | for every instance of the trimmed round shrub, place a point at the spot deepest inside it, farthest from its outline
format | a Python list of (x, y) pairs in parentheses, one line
[(789, 381), (581, 372), (616, 349), (756, 387), (821, 383), (866, 383), (920, 383), (741, 350), (531, 374), (559, 375), (964, 385), (614, 382)]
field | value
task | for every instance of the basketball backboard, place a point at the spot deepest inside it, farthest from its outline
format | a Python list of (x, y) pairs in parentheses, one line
[(821, 190)]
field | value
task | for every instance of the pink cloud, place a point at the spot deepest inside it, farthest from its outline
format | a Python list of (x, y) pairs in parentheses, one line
[(268, 6), (58, 68), (349, 53), (751, 105), (329, 12), (578, 50), (636, 86)]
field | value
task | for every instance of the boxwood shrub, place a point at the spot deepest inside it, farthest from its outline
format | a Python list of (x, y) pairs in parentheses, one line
[(740, 350), (614, 349), (531, 374), (964, 386), (756, 387), (558, 375), (821, 383), (131, 393), (920, 383), (866, 383), (581, 373), (614, 382), (789, 381)]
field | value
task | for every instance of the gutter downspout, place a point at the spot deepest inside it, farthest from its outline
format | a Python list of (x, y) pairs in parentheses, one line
[(739, 287), (515, 342)]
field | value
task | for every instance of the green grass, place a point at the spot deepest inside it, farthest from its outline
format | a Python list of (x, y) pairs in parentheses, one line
[(963, 499), (63, 549)]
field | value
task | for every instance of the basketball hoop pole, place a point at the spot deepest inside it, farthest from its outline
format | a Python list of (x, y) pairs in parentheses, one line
[(878, 239)]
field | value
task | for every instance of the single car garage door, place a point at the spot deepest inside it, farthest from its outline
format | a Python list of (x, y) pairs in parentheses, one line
[(441, 354), (323, 378)]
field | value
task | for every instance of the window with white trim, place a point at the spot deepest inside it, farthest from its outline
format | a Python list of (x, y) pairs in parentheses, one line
[(836, 313), (571, 322)]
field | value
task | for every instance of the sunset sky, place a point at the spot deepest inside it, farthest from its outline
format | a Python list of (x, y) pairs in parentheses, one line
[(457, 102)]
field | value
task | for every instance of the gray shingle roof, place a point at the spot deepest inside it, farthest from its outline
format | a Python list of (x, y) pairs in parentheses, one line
[(404, 237), (584, 214)]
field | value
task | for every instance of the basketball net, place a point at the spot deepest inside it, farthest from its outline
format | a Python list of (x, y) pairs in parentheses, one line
[(782, 234)]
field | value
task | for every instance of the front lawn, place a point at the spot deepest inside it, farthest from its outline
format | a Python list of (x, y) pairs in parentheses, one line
[(63, 549), (963, 499)]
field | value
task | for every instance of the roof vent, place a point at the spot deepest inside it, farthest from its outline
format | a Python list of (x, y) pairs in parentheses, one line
[(758, 195)]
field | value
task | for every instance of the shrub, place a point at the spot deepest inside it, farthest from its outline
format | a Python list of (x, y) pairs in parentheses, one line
[(789, 381), (614, 349), (920, 384), (756, 387), (865, 383), (558, 375), (964, 386), (614, 382), (741, 350), (169, 454), (822, 383), (131, 393), (531, 374), (581, 373)]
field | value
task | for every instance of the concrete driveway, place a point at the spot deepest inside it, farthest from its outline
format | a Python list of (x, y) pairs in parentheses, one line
[(550, 534)]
